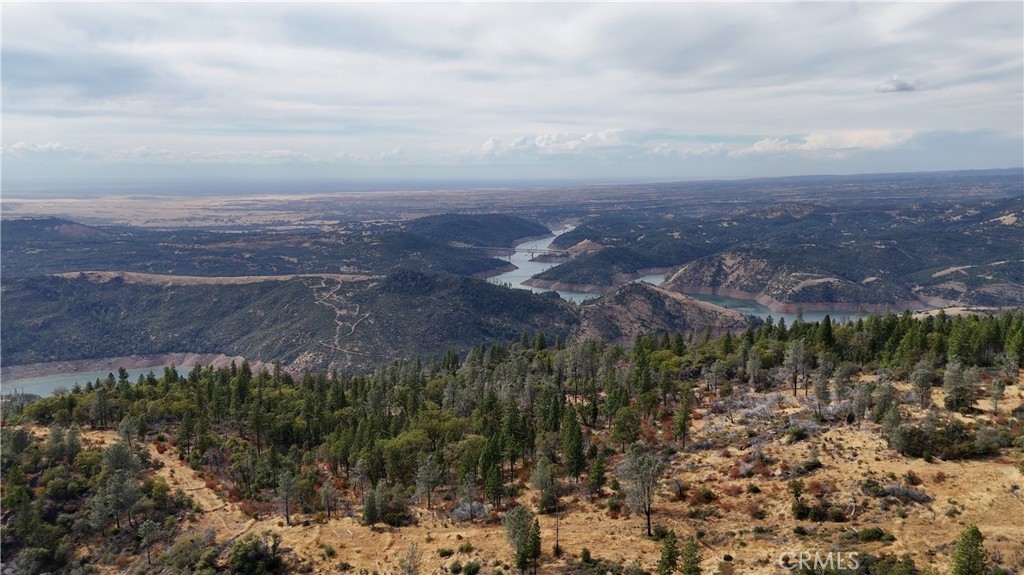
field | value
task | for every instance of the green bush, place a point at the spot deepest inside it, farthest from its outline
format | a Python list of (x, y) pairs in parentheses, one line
[(873, 534), (253, 556), (796, 434)]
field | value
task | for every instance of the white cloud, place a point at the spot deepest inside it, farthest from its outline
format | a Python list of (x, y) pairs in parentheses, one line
[(550, 144), (445, 85), (836, 145)]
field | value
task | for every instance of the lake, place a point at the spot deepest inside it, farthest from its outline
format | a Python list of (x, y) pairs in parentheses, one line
[(751, 307), (45, 385), (526, 268)]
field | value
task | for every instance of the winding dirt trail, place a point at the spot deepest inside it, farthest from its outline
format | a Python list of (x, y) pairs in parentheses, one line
[(344, 311)]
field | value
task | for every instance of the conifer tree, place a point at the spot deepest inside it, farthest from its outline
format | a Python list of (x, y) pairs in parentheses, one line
[(690, 558), (969, 557), (572, 444), (533, 548), (596, 476), (684, 415), (642, 471), (669, 555)]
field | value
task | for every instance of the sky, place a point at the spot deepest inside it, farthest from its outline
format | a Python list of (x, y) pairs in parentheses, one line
[(576, 92)]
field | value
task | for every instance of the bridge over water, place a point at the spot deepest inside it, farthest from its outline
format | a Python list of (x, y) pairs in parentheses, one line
[(534, 252)]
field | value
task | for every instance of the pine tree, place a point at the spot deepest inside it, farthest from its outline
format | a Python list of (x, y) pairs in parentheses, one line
[(690, 558), (287, 485), (493, 486), (596, 475), (328, 497), (684, 415), (543, 479), (922, 381), (518, 524), (148, 532), (533, 544), (821, 391), (371, 515), (969, 557), (409, 563), (959, 385), (642, 472), (428, 476), (572, 444), (891, 422), (669, 555), (997, 393)]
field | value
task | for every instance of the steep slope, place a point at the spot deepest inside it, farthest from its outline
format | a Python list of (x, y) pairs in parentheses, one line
[(784, 288), (315, 322), (641, 308)]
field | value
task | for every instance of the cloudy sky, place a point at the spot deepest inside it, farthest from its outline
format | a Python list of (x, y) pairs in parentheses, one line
[(590, 92)]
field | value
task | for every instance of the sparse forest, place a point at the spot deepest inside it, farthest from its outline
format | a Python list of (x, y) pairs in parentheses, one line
[(514, 433)]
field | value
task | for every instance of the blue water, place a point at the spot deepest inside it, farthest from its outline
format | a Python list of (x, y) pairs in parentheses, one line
[(45, 385), (526, 268), (751, 307)]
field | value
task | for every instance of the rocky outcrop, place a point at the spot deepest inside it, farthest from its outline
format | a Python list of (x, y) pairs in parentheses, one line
[(642, 308), (783, 288)]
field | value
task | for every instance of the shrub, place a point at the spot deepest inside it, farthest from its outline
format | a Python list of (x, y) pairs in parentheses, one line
[(796, 434), (873, 534), (754, 510), (455, 568), (466, 547), (912, 478), (585, 556), (253, 555), (800, 509), (444, 552), (904, 494), (705, 495), (800, 530), (471, 568)]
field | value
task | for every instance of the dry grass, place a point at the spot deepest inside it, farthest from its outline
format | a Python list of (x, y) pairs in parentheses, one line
[(752, 525)]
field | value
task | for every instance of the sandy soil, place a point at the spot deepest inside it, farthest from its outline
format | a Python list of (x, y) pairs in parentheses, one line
[(111, 364)]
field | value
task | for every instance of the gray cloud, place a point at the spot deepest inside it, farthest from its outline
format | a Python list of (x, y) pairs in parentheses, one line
[(897, 84), (665, 90)]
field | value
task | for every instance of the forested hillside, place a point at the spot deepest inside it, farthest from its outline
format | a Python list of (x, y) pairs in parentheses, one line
[(53, 245), (313, 321), (730, 452)]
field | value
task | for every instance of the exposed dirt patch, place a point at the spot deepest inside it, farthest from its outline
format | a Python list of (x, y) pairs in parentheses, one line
[(111, 364)]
